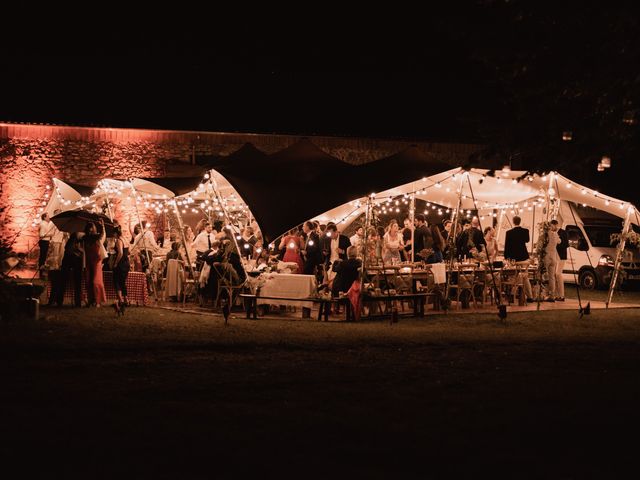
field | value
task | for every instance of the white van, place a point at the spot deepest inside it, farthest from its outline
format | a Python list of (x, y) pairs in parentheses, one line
[(590, 256)]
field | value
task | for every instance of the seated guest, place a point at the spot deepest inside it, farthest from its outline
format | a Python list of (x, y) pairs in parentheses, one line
[(347, 271), (173, 254)]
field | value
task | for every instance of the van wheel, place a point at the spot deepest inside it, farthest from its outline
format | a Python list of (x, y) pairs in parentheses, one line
[(588, 280)]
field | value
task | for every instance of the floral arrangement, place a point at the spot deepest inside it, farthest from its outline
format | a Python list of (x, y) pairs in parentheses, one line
[(631, 238)]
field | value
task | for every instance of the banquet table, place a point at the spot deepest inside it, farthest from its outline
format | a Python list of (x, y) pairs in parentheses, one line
[(288, 287), (136, 288)]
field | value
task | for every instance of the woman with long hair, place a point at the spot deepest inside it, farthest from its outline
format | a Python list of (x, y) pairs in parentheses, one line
[(120, 269), (292, 243), (392, 244), (438, 245), (93, 263)]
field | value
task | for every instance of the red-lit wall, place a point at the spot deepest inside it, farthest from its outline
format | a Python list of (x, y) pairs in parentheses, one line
[(31, 155)]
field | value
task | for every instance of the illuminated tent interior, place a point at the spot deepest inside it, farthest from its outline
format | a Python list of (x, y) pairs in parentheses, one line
[(497, 194)]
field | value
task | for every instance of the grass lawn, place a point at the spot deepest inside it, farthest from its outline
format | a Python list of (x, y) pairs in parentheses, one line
[(161, 394)]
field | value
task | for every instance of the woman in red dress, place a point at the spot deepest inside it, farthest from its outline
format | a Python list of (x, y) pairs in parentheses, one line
[(292, 244), (95, 285)]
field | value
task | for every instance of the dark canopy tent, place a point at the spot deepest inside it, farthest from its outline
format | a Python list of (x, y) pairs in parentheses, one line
[(177, 185), (306, 163), (285, 188), (403, 167), (246, 156), (247, 152), (302, 181)]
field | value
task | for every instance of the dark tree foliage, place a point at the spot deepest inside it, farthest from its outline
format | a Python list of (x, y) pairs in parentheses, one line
[(567, 67)]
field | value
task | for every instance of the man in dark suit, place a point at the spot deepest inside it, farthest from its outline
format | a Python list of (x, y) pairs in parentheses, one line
[(312, 251), (334, 247), (422, 238), (515, 248), (471, 241), (562, 253), (515, 243)]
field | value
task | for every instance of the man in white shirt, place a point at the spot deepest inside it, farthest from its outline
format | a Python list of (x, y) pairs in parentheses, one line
[(204, 240), (47, 229), (357, 239), (145, 245)]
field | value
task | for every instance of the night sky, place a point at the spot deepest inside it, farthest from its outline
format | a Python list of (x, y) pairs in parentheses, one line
[(509, 75)]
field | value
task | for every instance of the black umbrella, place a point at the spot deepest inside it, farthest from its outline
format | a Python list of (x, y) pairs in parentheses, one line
[(75, 221)]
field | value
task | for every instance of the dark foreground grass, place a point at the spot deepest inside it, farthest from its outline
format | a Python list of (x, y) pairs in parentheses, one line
[(160, 394)]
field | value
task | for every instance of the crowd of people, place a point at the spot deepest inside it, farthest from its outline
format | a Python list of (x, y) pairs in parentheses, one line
[(314, 249)]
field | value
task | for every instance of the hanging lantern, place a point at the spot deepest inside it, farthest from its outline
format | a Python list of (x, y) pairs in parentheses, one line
[(567, 136), (605, 162), (600, 167)]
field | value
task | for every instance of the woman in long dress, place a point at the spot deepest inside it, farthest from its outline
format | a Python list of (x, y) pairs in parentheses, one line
[(121, 269), (93, 264), (292, 243), (392, 244)]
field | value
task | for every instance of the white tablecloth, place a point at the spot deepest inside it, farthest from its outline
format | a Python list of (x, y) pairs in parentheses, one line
[(288, 286)]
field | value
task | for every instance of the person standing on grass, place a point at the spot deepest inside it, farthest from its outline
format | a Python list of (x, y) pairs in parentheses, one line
[(45, 233), (551, 259), (515, 248), (93, 262), (120, 269), (562, 258)]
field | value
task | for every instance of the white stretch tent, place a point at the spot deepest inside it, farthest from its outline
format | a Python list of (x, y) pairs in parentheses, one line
[(501, 193)]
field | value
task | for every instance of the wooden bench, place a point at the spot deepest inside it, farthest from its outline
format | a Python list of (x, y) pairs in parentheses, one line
[(419, 300), (324, 304)]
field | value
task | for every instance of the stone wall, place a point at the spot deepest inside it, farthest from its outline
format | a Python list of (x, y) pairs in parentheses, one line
[(31, 155)]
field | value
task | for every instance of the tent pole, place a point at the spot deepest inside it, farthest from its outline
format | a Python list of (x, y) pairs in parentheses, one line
[(144, 242), (109, 208), (452, 239), (533, 232), (412, 213), (363, 273), (228, 218), (502, 310), (184, 239), (619, 252)]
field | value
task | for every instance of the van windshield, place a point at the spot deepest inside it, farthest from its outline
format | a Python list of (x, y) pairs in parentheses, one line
[(600, 235)]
